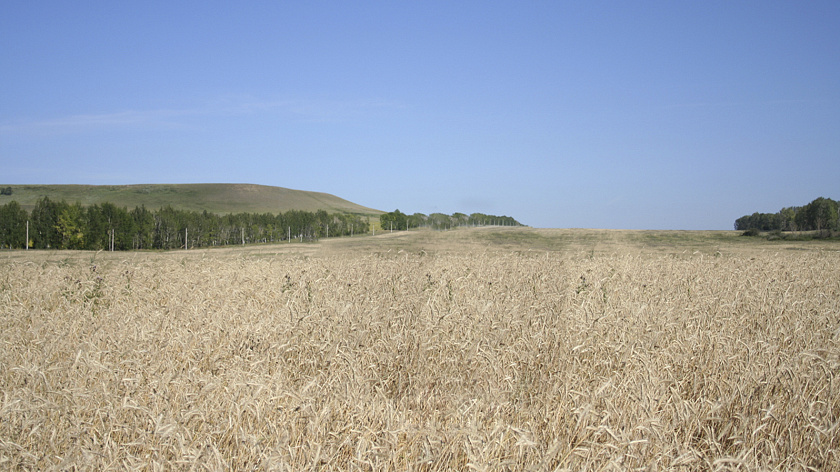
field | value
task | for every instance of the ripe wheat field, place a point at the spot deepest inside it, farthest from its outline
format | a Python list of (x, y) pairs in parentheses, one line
[(466, 350)]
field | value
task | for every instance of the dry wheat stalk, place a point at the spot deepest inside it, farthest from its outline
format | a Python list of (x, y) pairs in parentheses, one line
[(404, 361)]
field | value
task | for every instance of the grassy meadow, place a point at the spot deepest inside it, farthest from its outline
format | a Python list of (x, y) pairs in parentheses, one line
[(215, 198), (475, 349)]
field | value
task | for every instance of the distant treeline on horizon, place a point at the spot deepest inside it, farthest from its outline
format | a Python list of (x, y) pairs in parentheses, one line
[(819, 215), (60, 225), (397, 220)]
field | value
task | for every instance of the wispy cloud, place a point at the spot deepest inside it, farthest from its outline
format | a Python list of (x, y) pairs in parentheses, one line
[(315, 110), (93, 121)]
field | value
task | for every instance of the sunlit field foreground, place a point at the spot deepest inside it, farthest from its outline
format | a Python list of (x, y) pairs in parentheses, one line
[(468, 350)]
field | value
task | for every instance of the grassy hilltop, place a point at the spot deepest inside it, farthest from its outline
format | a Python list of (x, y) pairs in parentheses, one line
[(215, 198)]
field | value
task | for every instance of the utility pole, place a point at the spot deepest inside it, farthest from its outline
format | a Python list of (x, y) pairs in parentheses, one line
[(186, 239)]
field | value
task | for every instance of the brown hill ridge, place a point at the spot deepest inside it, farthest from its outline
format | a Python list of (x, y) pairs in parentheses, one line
[(214, 198)]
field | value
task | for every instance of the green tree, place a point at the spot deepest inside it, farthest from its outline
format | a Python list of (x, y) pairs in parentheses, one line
[(12, 225), (70, 227), (787, 217), (96, 228), (416, 220), (395, 220), (459, 219), (322, 221), (439, 221), (167, 228), (144, 228), (821, 214), (44, 220)]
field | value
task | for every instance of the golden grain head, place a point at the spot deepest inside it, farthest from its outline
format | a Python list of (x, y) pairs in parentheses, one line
[(421, 360)]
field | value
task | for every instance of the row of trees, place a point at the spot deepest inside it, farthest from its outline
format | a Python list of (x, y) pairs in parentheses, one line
[(397, 220), (59, 225), (820, 214)]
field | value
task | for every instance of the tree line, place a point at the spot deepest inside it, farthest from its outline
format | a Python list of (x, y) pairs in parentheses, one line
[(399, 221), (819, 215), (60, 225)]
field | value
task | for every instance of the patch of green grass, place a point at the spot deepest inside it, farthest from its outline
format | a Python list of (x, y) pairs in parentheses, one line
[(656, 239), (520, 239)]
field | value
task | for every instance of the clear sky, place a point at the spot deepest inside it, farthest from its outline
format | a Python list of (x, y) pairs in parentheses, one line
[(597, 114)]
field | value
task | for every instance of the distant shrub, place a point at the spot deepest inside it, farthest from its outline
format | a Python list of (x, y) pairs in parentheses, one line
[(827, 234), (751, 232)]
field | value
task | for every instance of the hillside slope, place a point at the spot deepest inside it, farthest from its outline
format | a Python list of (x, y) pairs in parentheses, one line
[(215, 198)]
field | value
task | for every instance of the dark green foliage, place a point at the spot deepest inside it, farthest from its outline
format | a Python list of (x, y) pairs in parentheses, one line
[(480, 219), (6, 191), (758, 222), (144, 225), (416, 220), (397, 220), (58, 225), (819, 215), (70, 227), (44, 230), (12, 225)]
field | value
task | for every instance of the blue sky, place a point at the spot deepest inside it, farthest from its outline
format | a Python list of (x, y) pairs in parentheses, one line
[(638, 115)]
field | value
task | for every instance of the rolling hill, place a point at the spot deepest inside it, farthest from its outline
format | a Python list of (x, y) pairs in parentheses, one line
[(215, 198)]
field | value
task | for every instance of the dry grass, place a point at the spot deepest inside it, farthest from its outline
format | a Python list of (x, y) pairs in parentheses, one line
[(421, 360)]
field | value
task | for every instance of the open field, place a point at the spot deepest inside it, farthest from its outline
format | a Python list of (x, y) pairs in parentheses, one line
[(481, 349)]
